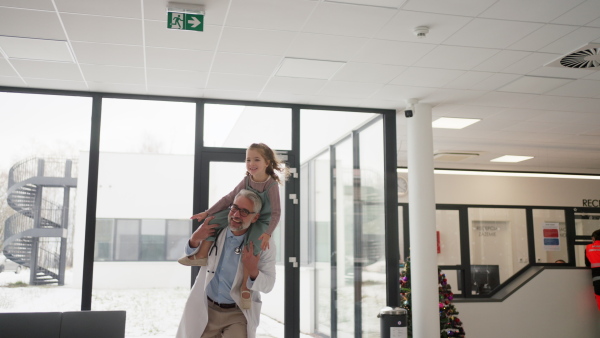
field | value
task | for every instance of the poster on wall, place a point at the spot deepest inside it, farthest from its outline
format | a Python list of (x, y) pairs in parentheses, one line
[(551, 237)]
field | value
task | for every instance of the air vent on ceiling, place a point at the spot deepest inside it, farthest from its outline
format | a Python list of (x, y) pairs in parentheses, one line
[(453, 156), (585, 57)]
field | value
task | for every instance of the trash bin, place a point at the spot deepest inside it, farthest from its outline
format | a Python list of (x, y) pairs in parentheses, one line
[(394, 322)]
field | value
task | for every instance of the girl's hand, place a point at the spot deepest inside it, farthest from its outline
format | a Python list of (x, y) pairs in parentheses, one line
[(264, 241), (200, 216)]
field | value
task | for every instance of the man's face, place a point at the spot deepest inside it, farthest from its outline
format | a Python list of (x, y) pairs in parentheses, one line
[(237, 222)]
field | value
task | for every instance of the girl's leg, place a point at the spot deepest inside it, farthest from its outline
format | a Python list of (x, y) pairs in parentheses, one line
[(201, 257), (245, 292)]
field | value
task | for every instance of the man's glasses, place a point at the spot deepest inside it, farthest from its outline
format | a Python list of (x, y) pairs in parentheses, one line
[(243, 212)]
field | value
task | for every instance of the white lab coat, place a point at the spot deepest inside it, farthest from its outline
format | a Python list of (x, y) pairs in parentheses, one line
[(195, 315)]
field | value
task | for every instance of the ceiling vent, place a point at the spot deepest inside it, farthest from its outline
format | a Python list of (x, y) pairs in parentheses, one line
[(585, 57), (453, 156)]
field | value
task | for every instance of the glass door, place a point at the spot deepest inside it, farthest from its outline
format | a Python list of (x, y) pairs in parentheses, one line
[(223, 173), (586, 220)]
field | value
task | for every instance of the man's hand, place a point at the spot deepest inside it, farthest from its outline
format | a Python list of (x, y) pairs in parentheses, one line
[(203, 232), (250, 261)]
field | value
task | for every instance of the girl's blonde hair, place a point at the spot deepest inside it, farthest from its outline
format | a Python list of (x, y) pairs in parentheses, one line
[(275, 164)]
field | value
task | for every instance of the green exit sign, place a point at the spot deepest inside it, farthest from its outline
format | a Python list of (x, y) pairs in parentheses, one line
[(185, 21)]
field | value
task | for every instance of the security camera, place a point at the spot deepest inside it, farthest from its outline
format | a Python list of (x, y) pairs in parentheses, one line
[(408, 113)]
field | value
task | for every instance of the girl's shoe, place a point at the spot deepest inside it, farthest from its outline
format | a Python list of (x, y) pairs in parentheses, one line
[(193, 261), (246, 302)]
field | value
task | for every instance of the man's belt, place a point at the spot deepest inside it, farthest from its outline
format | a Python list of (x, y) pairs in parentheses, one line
[(221, 305)]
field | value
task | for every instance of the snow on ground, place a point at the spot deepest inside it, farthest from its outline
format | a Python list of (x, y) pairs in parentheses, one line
[(150, 312)]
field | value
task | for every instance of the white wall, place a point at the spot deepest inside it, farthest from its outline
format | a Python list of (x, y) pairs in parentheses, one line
[(557, 303)]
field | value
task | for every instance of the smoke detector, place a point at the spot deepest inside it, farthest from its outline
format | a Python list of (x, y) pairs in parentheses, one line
[(421, 31), (585, 57)]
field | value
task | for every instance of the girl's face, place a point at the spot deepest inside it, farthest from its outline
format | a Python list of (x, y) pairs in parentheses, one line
[(255, 163)]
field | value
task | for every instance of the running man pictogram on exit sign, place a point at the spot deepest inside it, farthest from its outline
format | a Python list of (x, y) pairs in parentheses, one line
[(185, 17)]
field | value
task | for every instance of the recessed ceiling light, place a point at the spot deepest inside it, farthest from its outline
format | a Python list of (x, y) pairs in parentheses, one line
[(305, 68), (511, 158), (36, 49), (453, 122)]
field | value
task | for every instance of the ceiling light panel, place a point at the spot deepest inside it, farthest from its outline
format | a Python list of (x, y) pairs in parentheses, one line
[(511, 158), (311, 69), (36, 49), (453, 123)]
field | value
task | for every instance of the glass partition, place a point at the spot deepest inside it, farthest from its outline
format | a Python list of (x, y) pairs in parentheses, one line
[(498, 246), (448, 237), (44, 145), (550, 236)]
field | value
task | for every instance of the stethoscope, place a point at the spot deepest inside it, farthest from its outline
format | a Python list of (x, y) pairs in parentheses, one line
[(237, 250)]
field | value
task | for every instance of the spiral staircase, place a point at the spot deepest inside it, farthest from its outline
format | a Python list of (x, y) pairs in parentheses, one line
[(36, 235)]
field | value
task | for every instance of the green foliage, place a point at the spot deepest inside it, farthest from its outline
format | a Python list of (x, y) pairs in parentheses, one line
[(450, 324)]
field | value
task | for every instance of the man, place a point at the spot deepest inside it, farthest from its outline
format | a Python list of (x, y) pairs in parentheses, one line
[(213, 306), (592, 260)]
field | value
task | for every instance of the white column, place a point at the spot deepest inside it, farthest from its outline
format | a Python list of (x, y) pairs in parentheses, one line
[(421, 199)]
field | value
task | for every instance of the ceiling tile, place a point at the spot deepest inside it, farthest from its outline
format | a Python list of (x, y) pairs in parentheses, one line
[(579, 88), (114, 8), (453, 7), (469, 80), (270, 14), (230, 94), (18, 22), (427, 77), (105, 54), (367, 72), (324, 47), (176, 91), (542, 37), (349, 20), (175, 78), (117, 88), (503, 99), (392, 52), (334, 101), (282, 97), (11, 81), (249, 83), (47, 70), (306, 68), (193, 60), (572, 41), (255, 41), (30, 4), (496, 81), (580, 15), (500, 61), (402, 26), (157, 34), (530, 10), (453, 57), (113, 74), (533, 85), (56, 84), (249, 64), (88, 28), (6, 69), (529, 63), (297, 86), (349, 89), (402, 93), (477, 33), (532, 127), (443, 95), (214, 10)]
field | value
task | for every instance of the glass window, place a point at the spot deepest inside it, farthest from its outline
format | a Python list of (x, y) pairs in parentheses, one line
[(550, 235), (105, 233), (44, 142), (498, 245), (127, 240), (227, 126), (145, 176), (152, 240), (178, 232)]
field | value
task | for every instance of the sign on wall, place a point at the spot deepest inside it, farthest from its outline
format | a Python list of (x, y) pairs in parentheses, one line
[(551, 236)]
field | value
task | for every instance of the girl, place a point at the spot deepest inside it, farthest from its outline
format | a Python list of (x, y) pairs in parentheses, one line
[(261, 164)]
